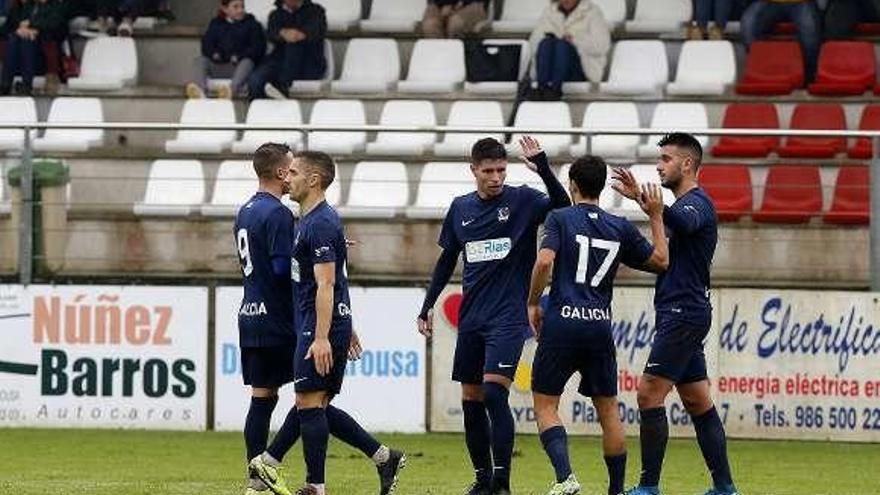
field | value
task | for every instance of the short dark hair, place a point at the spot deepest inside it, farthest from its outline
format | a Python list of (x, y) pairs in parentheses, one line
[(686, 142), (320, 162), (589, 174), (487, 149), (268, 158)]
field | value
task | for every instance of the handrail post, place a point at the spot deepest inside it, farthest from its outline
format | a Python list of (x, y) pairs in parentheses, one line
[(874, 236), (26, 221), (588, 137)]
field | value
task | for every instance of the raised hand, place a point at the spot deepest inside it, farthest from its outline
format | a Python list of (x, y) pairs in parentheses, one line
[(625, 183), (530, 148), (651, 200)]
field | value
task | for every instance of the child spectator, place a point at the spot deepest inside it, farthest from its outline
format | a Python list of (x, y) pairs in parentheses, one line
[(29, 24)]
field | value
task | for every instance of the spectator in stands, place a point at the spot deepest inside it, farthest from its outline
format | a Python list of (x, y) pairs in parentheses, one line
[(29, 25), (297, 28), (454, 18), (570, 43), (118, 16), (231, 47), (759, 18), (841, 16), (717, 11)]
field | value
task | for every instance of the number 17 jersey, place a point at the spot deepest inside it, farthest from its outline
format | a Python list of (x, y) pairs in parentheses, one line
[(589, 244)]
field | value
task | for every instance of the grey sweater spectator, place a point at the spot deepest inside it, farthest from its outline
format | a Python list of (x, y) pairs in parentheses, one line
[(231, 47), (298, 29), (454, 18)]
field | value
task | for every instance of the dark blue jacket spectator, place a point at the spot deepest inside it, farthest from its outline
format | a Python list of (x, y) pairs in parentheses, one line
[(229, 38)]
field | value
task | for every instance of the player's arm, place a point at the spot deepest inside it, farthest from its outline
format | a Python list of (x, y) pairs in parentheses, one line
[(651, 201), (684, 218), (540, 278), (280, 233), (320, 350), (442, 273), (536, 160)]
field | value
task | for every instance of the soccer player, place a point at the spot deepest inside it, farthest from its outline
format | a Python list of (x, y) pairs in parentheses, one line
[(325, 338), (683, 319), (583, 245), (495, 229), (264, 235)]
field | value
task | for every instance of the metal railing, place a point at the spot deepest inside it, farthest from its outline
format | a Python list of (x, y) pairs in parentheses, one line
[(26, 239)]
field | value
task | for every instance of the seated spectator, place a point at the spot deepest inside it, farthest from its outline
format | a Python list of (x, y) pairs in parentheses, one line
[(231, 47), (118, 16), (717, 11), (29, 25), (453, 18), (297, 28), (841, 16), (760, 17), (570, 43)]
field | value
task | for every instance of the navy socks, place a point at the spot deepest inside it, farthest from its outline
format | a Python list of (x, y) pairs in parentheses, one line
[(315, 434), (654, 433), (555, 443), (713, 444), (495, 399), (616, 465), (256, 426), (478, 438)]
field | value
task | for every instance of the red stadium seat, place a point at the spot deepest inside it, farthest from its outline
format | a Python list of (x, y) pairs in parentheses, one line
[(785, 28), (748, 116), (815, 116), (845, 68), (851, 197), (730, 187), (772, 68), (870, 121), (792, 194)]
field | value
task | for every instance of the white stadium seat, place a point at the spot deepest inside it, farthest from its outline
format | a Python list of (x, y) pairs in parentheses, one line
[(338, 112), (440, 182), (644, 174), (413, 113), (672, 117), (614, 11), (637, 67), (518, 174), (609, 115), (16, 110), (436, 66), (547, 114), (204, 111), (236, 182), (473, 114), (377, 190), (268, 112), (315, 86), (660, 16), (372, 65), (108, 63), (72, 110), (388, 16), (496, 87), (608, 198), (519, 16), (341, 14), (174, 188), (704, 68)]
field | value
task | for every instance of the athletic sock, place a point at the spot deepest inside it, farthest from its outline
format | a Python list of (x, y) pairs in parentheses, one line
[(315, 434), (713, 444), (286, 436), (381, 456), (495, 398), (345, 428), (256, 426), (555, 443), (478, 439), (616, 465), (653, 435)]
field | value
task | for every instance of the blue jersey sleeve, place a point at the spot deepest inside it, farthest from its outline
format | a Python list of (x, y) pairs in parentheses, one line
[(322, 243), (538, 202), (279, 232), (448, 238), (552, 234), (685, 216), (636, 249)]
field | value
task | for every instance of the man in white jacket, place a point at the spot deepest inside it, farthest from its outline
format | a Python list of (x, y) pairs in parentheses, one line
[(570, 43)]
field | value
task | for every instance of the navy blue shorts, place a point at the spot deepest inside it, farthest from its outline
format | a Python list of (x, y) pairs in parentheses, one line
[(307, 378), (267, 367), (677, 352), (495, 351), (566, 348)]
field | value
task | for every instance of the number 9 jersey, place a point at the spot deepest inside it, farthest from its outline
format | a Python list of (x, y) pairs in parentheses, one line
[(264, 236)]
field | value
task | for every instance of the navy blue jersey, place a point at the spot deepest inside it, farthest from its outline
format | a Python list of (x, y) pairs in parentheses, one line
[(263, 231), (692, 228), (320, 239), (589, 244), (497, 238)]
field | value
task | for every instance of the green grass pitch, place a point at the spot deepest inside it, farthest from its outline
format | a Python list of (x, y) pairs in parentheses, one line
[(156, 463)]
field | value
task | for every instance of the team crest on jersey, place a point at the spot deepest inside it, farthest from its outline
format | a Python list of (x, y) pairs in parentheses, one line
[(503, 214)]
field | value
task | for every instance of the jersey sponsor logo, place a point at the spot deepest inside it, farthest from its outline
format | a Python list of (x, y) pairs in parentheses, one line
[(487, 250), (503, 214), (253, 309), (585, 314)]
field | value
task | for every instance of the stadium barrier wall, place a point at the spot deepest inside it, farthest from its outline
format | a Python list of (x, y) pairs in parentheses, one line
[(783, 364)]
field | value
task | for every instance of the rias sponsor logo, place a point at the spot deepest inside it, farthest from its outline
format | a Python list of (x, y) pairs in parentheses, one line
[(488, 249)]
